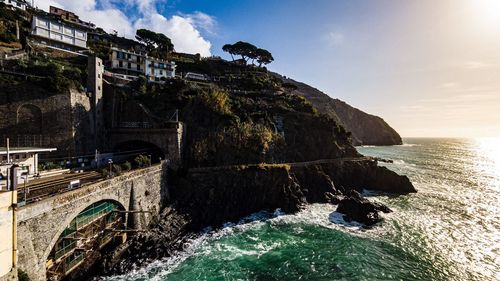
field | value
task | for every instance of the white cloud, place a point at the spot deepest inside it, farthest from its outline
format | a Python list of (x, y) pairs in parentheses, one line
[(202, 21), (184, 30), (183, 33), (334, 38)]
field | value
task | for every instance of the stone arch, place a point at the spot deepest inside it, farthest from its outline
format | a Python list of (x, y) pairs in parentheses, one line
[(29, 118), (133, 147), (70, 218)]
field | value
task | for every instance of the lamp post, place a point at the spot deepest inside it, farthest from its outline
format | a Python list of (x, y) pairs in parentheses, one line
[(110, 162)]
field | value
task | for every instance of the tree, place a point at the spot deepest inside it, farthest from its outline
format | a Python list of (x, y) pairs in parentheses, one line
[(228, 48), (244, 49), (157, 44), (264, 57), (248, 52)]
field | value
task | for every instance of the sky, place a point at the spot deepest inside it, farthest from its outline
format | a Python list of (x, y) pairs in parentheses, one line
[(429, 68)]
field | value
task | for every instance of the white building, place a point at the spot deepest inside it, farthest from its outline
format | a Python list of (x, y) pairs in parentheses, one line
[(20, 4), (58, 34), (130, 62), (134, 63), (158, 69), (25, 157)]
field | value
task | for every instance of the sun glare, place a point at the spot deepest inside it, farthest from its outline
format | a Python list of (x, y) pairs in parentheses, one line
[(487, 13)]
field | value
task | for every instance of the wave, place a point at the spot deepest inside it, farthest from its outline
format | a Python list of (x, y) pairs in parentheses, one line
[(409, 145)]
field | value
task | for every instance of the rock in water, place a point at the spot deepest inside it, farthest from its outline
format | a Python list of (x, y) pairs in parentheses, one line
[(356, 208)]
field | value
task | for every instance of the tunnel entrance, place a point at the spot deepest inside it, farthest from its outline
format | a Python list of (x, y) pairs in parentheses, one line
[(129, 150), (80, 243)]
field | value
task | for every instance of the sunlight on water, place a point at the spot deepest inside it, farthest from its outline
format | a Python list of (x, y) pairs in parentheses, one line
[(489, 150)]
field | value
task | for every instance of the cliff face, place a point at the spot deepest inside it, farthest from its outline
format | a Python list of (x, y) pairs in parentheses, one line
[(212, 196), (365, 128)]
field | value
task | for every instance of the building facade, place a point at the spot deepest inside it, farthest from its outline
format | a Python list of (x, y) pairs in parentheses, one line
[(95, 71), (8, 253), (158, 69), (138, 63), (19, 4), (58, 34), (127, 62), (71, 17)]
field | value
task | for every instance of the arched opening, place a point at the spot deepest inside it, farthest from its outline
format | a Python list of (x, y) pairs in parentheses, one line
[(79, 245), (29, 118), (129, 150)]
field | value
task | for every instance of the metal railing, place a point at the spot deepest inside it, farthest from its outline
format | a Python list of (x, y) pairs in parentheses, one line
[(66, 249)]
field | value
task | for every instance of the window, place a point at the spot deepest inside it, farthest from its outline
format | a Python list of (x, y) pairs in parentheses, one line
[(138, 67), (161, 72), (4, 158), (129, 65), (129, 56), (17, 156), (98, 75), (120, 64), (98, 88)]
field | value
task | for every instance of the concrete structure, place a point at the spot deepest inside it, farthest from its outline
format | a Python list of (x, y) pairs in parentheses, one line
[(158, 69), (56, 33), (95, 71), (71, 17), (41, 224), (168, 141), (19, 4), (25, 157), (8, 254)]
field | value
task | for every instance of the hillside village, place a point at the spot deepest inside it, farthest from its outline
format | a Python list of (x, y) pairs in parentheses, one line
[(119, 129)]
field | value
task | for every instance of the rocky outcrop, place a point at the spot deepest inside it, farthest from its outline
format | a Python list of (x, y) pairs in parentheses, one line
[(212, 196), (356, 208), (365, 128)]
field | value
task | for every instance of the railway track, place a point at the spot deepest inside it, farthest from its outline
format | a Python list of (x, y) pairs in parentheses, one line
[(41, 188)]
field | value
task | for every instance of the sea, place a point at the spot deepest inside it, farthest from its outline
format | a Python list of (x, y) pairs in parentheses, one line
[(449, 230)]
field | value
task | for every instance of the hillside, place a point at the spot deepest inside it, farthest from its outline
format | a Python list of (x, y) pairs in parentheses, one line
[(366, 129)]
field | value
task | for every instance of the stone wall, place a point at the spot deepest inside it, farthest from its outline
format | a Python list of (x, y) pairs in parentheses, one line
[(40, 224), (33, 117)]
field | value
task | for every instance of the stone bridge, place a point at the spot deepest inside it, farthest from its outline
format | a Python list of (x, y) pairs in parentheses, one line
[(41, 224), (168, 140)]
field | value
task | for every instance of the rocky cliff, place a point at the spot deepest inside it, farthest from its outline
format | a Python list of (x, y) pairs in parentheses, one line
[(366, 129), (212, 196)]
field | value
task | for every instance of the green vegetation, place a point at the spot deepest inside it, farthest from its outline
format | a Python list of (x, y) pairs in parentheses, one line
[(8, 19), (55, 76), (248, 52), (157, 44), (142, 161), (22, 276), (127, 166), (246, 116)]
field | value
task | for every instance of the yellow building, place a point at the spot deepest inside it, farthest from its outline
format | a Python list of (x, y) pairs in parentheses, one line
[(8, 254)]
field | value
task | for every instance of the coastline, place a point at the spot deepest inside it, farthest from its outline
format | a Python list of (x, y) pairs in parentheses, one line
[(246, 190)]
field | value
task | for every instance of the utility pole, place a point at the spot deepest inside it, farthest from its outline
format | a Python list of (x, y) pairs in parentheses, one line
[(8, 163)]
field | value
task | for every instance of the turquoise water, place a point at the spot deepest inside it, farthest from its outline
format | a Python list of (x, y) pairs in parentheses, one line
[(449, 230)]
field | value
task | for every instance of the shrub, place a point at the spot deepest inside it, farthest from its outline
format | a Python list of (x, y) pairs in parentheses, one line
[(127, 166), (216, 100), (117, 169), (142, 161)]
